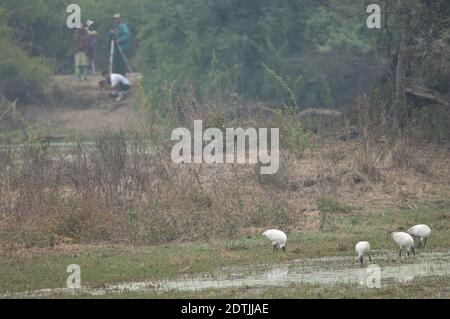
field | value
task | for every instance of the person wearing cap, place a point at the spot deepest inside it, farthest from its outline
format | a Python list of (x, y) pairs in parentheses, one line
[(81, 49), (90, 28), (121, 34)]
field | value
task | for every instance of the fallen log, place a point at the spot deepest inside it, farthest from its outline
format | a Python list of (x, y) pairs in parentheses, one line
[(324, 112), (428, 94)]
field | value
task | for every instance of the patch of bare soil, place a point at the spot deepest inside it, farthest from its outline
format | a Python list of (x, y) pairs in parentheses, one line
[(94, 120), (66, 90), (80, 108)]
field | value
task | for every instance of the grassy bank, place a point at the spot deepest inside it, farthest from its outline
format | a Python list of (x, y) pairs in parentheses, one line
[(34, 269)]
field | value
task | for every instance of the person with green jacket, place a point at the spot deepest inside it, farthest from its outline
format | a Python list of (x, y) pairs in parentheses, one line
[(121, 35)]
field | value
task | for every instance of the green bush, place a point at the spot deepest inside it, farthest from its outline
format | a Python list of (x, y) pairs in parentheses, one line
[(21, 77)]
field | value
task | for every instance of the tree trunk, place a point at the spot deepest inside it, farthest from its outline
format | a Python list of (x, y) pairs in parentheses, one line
[(400, 107)]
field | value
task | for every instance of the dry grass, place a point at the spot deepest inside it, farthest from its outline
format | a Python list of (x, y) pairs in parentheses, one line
[(117, 191), (124, 189)]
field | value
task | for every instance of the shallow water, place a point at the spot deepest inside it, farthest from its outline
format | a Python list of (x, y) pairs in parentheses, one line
[(325, 271)]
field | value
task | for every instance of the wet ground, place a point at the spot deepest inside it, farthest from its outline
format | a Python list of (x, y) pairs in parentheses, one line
[(386, 270)]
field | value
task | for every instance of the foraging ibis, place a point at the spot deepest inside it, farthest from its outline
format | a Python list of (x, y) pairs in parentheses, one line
[(278, 239), (362, 248), (422, 232), (404, 240)]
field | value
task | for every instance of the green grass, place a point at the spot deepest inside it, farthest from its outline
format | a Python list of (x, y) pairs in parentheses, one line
[(12, 135), (46, 268)]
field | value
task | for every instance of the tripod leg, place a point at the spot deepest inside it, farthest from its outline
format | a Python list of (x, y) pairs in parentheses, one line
[(111, 57)]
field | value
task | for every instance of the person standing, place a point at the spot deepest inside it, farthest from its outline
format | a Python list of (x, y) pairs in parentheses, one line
[(121, 35), (81, 48), (90, 28)]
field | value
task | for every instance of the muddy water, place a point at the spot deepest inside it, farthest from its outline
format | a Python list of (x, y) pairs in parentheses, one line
[(386, 270), (323, 271)]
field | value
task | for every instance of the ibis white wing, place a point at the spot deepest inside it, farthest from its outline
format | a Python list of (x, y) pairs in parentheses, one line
[(275, 235), (422, 231), (403, 239), (362, 247)]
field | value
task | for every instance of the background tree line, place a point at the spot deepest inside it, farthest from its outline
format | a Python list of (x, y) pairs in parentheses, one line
[(322, 49)]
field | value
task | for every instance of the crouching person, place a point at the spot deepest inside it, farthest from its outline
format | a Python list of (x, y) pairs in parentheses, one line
[(117, 84)]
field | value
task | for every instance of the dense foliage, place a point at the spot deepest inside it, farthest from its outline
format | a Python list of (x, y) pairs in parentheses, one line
[(182, 42), (322, 49), (20, 75)]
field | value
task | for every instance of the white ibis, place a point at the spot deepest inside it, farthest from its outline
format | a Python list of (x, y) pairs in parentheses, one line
[(362, 248), (422, 232), (278, 239), (404, 240)]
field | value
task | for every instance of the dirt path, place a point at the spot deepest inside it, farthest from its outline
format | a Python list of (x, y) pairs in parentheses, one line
[(81, 109), (90, 121)]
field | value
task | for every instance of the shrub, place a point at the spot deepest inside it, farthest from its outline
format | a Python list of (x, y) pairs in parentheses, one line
[(21, 77)]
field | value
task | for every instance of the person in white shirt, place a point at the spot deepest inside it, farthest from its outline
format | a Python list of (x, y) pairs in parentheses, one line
[(116, 83)]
